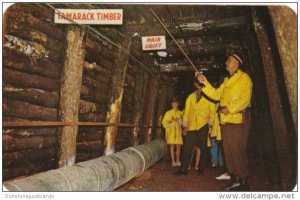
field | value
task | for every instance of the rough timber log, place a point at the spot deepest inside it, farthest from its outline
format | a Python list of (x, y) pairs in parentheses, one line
[(21, 62), (27, 143), (20, 79), (31, 95), (37, 17), (115, 98), (13, 158), (95, 50), (26, 33), (93, 94), (31, 168), (150, 118), (87, 134), (24, 110), (94, 67), (102, 174), (138, 106), (103, 62), (31, 49), (70, 93), (284, 137), (283, 18), (89, 146), (93, 116), (17, 132)]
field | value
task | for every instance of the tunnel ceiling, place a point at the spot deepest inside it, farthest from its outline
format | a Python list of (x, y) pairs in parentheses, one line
[(204, 32)]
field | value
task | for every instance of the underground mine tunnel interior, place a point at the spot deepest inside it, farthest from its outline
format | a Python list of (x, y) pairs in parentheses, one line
[(56, 74)]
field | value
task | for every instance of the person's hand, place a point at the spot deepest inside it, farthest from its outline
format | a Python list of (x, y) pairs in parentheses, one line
[(201, 78), (224, 110), (185, 131)]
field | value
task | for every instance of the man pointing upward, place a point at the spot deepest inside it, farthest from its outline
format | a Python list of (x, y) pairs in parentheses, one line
[(235, 102)]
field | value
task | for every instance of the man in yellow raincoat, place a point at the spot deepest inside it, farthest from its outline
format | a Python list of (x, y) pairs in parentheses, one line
[(235, 102), (197, 113), (172, 122)]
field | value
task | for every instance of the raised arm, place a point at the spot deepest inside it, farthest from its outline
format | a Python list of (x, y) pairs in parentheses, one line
[(208, 89)]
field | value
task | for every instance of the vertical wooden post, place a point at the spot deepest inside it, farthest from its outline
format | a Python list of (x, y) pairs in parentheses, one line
[(151, 109), (265, 149), (115, 97), (71, 81), (285, 148), (152, 87), (159, 113), (284, 21), (138, 105)]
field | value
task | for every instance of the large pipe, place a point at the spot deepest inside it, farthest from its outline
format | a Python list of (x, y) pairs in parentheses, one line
[(101, 174)]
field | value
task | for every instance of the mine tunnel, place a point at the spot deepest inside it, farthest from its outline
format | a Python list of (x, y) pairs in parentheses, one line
[(84, 102)]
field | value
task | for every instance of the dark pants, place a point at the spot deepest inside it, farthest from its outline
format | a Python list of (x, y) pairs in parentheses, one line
[(235, 137), (192, 139)]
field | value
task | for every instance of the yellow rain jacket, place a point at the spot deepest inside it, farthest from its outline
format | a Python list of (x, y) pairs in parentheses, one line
[(172, 122), (197, 114), (216, 129), (235, 93)]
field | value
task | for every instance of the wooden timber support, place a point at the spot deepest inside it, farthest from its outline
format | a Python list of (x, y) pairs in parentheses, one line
[(138, 105), (150, 118), (71, 82), (150, 133), (283, 135), (115, 97)]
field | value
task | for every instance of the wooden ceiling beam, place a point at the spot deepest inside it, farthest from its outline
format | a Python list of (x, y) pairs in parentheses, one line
[(192, 27)]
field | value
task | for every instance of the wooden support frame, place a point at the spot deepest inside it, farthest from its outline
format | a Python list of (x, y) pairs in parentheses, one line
[(71, 81), (115, 97), (138, 105), (285, 148), (151, 117)]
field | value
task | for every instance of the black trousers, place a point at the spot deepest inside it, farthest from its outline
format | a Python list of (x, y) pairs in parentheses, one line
[(192, 139)]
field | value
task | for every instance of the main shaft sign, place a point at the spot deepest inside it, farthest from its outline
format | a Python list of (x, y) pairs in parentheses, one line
[(89, 16)]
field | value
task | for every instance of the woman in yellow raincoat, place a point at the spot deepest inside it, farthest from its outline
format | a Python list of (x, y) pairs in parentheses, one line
[(172, 122)]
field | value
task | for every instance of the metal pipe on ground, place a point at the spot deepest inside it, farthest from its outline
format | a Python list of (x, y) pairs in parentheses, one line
[(105, 173)]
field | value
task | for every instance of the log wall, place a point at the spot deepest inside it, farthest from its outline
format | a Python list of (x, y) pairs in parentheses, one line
[(32, 53), (94, 96), (33, 59)]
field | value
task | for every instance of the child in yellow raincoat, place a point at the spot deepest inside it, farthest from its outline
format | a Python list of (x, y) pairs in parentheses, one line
[(172, 122)]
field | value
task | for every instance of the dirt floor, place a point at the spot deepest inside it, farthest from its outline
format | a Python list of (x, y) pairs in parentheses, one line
[(160, 178)]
